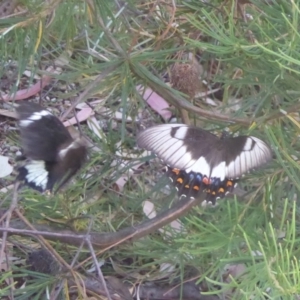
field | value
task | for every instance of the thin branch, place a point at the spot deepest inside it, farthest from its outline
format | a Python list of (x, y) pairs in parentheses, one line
[(88, 89), (105, 241)]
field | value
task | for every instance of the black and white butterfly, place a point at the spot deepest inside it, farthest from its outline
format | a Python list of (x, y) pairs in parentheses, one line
[(199, 161), (51, 155)]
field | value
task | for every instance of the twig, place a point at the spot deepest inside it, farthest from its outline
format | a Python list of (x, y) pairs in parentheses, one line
[(106, 240), (7, 217), (59, 288), (174, 98), (100, 274), (42, 240), (82, 96)]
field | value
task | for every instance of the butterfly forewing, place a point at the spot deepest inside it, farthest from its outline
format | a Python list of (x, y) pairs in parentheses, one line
[(244, 153), (41, 132), (198, 160)]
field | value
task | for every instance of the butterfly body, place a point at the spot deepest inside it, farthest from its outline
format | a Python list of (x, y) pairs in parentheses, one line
[(199, 161), (52, 155)]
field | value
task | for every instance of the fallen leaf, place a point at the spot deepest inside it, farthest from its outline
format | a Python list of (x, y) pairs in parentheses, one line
[(5, 167), (82, 115), (156, 102)]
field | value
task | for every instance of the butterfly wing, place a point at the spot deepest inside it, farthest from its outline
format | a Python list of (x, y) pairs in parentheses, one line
[(244, 153), (178, 145), (52, 155), (42, 134), (196, 150), (199, 160)]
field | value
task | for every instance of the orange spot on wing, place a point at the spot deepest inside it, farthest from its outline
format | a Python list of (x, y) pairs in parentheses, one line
[(229, 183), (176, 171), (221, 190), (180, 180)]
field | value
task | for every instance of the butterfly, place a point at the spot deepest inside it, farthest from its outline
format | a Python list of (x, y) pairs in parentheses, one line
[(51, 156), (199, 161)]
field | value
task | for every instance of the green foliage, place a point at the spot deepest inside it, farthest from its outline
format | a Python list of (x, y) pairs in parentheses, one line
[(258, 66)]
